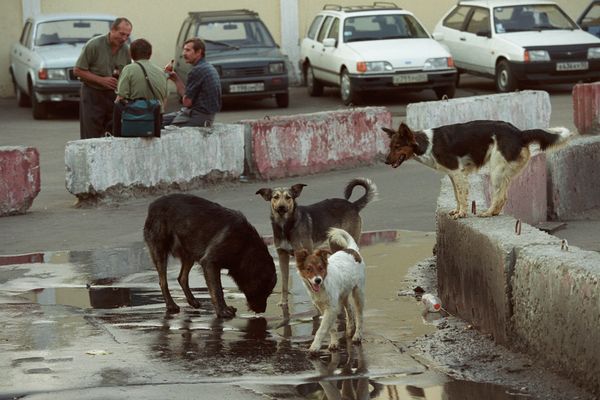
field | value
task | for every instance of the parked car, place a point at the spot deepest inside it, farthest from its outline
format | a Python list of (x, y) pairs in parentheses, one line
[(241, 48), (589, 20), (373, 48), (516, 41), (41, 63)]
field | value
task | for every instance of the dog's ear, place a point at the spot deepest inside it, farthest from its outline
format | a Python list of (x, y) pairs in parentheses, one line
[(406, 132), (297, 189), (323, 254), (389, 131), (301, 255), (266, 193)]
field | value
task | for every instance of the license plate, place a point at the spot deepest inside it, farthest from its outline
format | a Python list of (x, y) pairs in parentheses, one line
[(247, 87), (409, 78), (572, 66)]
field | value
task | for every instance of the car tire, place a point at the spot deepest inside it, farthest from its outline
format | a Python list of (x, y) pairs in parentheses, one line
[(447, 91), (23, 99), (282, 100), (39, 108), (315, 88), (505, 79), (347, 93)]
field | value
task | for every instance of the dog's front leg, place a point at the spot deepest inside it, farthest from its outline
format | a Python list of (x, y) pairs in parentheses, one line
[(284, 268), (327, 324), (212, 275)]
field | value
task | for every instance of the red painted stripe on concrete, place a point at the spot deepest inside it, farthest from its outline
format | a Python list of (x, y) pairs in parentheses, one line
[(19, 179), (586, 107)]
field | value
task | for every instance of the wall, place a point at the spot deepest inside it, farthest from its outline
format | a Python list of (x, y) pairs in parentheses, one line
[(159, 21)]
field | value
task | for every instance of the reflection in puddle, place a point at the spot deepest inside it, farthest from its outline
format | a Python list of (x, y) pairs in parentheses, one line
[(77, 297)]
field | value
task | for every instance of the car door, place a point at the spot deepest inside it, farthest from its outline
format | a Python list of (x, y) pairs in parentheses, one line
[(452, 30), (307, 48), (331, 54), (317, 61), (21, 55), (478, 54)]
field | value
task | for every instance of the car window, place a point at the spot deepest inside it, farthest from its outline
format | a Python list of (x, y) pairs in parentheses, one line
[(592, 17), (225, 35), (69, 31), (25, 35), (312, 31), (324, 29), (183, 33), (531, 17), (456, 19), (335, 29), (382, 27), (480, 21)]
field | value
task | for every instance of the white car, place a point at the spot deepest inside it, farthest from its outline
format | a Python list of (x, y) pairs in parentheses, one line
[(42, 61), (373, 48), (517, 41)]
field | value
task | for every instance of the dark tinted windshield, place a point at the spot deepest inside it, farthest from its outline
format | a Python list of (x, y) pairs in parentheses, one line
[(69, 31), (534, 17), (235, 34), (382, 27)]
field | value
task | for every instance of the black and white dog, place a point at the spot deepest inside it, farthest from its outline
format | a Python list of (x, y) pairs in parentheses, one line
[(459, 149)]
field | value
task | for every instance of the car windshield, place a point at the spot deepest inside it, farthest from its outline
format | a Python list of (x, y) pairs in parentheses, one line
[(69, 31), (234, 35), (382, 27), (533, 17)]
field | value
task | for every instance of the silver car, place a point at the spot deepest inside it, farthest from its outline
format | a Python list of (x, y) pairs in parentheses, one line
[(41, 63)]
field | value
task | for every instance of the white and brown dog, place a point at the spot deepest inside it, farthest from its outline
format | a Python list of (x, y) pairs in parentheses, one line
[(460, 149), (331, 278)]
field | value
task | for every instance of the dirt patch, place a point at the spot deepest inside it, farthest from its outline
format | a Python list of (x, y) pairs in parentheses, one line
[(463, 353)]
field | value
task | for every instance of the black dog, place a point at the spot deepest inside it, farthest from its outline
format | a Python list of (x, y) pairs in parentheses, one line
[(195, 229)]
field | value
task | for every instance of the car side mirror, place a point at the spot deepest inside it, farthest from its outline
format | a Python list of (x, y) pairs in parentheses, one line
[(486, 33), (438, 36), (329, 42)]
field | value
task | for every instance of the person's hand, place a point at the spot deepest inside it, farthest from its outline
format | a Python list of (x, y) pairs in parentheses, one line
[(109, 82)]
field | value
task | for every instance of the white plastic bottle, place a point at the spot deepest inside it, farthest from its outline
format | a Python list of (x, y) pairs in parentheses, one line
[(431, 302)]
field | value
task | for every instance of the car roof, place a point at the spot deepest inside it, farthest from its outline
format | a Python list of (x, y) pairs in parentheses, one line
[(224, 15), (503, 3), (74, 16)]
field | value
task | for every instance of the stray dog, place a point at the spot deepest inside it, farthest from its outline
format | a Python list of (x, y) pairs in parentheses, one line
[(460, 149), (330, 282), (195, 229), (296, 227)]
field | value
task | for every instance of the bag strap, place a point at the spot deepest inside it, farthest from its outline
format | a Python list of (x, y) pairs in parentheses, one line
[(147, 79)]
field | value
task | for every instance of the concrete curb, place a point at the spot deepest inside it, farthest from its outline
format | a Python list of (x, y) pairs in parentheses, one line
[(19, 179)]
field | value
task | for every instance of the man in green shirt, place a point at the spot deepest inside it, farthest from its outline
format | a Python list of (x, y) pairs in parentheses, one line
[(132, 82), (101, 60)]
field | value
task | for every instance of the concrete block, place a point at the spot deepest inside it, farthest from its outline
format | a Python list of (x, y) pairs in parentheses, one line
[(475, 262), (19, 179), (527, 109), (311, 143), (556, 306), (181, 159), (586, 107), (574, 179)]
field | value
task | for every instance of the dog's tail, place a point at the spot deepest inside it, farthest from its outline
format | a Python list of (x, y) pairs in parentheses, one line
[(339, 239), (370, 191), (548, 139)]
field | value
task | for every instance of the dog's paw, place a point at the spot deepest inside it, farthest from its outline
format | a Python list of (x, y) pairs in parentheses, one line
[(226, 312), (333, 347), (314, 348), (194, 303), (457, 214), (357, 338), (172, 308)]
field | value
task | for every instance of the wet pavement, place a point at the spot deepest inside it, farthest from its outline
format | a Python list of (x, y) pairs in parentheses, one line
[(94, 324)]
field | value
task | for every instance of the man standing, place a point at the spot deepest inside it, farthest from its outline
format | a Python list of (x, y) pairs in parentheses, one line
[(202, 92), (101, 60)]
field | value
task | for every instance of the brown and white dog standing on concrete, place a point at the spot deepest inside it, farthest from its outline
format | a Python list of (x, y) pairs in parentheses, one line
[(459, 149), (296, 227)]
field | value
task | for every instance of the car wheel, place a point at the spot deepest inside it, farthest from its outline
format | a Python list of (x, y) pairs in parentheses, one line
[(282, 99), (447, 91), (505, 80), (38, 108), (315, 88), (347, 92)]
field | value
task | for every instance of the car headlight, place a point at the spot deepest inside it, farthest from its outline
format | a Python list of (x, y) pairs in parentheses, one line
[(536, 55), (276, 68), (374, 66), (594, 52), (438, 63), (52, 74)]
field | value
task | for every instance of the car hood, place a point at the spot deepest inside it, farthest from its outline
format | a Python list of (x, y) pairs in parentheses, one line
[(244, 55), (59, 55), (549, 38), (402, 53)]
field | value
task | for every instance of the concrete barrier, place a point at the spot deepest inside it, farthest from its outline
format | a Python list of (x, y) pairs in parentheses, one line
[(19, 179), (586, 108), (181, 159), (574, 179), (311, 143)]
